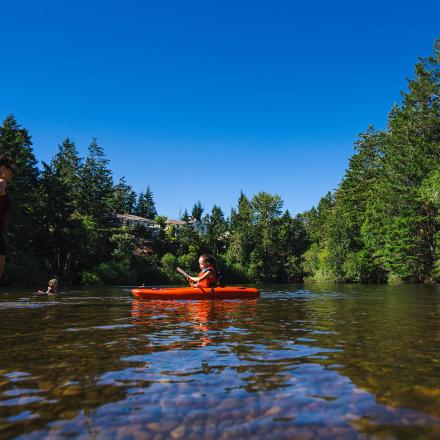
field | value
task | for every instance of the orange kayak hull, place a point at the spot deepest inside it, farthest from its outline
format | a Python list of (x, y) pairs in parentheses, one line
[(228, 292)]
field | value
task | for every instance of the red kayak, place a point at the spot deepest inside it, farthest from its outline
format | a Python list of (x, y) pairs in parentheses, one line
[(228, 292)]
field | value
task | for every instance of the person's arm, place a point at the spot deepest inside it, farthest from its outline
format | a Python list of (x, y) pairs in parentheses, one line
[(188, 278), (205, 275), (2, 187)]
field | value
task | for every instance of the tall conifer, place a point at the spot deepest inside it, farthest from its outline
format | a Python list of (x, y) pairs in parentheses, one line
[(124, 198), (145, 204), (96, 185), (24, 234), (67, 164)]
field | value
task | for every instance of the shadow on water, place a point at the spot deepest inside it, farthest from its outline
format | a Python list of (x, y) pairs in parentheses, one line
[(311, 361)]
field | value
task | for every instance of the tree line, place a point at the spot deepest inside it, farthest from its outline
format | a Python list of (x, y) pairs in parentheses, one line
[(381, 224)]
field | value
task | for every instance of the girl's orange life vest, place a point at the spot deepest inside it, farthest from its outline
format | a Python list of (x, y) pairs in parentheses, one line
[(210, 280)]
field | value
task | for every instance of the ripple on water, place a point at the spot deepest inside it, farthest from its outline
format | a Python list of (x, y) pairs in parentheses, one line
[(17, 376), (20, 391), (21, 401), (293, 364), (98, 327), (22, 417), (314, 403), (25, 305)]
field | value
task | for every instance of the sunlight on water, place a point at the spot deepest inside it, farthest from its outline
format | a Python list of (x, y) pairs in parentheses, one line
[(346, 361)]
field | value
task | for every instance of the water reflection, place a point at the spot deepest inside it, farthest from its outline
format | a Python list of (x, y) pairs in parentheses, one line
[(322, 362), (202, 320)]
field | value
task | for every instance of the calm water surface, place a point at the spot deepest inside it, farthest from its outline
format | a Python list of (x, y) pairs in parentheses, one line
[(337, 361)]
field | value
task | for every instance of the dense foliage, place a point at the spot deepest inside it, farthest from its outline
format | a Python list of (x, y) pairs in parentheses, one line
[(381, 224)]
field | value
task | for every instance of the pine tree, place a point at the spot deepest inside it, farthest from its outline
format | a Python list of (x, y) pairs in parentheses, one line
[(124, 198), (217, 231), (60, 245), (348, 256), (400, 227), (145, 205), (293, 242), (317, 264), (265, 257), (25, 229), (242, 239), (68, 165), (185, 217), (96, 185), (197, 211)]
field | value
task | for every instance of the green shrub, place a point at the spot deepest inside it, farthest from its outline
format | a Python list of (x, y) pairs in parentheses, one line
[(90, 278), (110, 273), (294, 269)]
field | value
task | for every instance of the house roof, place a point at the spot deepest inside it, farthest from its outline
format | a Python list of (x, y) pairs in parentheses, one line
[(175, 222), (136, 218)]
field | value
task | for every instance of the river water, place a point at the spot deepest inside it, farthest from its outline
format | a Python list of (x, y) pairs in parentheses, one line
[(302, 361)]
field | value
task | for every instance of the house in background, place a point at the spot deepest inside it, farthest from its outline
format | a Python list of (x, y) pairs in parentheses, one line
[(135, 220), (178, 224), (200, 227)]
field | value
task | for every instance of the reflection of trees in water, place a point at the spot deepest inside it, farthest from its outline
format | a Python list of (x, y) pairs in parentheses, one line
[(266, 345), (241, 333), (390, 341), (202, 320), (63, 356), (278, 350), (272, 354)]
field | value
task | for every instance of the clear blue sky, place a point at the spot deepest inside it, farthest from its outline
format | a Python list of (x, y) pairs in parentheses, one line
[(202, 99)]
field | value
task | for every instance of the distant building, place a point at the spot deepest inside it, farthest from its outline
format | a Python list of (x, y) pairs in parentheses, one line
[(135, 220), (176, 223), (200, 227)]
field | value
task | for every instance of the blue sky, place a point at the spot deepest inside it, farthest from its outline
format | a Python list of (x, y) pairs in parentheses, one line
[(202, 99)]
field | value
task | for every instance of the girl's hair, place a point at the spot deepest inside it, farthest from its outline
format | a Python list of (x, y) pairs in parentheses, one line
[(53, 282), (209, 259)]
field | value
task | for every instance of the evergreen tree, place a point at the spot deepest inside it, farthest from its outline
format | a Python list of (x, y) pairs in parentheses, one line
[(185, 216), (197, 211), (124, 198), (145, 205), (60, 245), (348, 256), (383, 221), (217, 231), (317, 264), (430, 198), (67, 164), (399, 227), (265, 257), (25, 229), (292, 243), (242, 239), (96, 185)]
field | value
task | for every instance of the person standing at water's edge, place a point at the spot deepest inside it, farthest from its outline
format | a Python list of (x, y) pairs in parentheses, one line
[(6, 170)]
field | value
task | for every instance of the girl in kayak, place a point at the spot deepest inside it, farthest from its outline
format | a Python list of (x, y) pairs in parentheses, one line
[(208, 276)]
